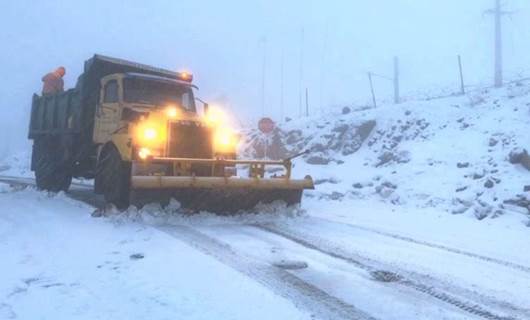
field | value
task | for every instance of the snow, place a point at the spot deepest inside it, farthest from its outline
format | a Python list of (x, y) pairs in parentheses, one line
[(60, 263), (423, 194), (450, 154)]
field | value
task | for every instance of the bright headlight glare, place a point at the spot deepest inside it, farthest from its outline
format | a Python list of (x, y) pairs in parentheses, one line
[(149, 133), (215, 117), (172, 112), (144, 153), (225, 139)]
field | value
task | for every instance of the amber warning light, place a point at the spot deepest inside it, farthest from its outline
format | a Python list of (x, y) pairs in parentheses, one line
[(185, 76)]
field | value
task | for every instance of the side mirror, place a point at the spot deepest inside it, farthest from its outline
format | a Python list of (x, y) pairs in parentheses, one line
[(205, 105)]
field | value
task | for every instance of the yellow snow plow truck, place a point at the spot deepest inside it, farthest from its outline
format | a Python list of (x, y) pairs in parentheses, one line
[(136, 131)]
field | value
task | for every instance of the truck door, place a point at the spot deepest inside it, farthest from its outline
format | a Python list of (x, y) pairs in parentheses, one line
[(108, 112)]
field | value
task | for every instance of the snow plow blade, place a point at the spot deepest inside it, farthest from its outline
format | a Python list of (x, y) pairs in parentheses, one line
[(215, 193), (218, 194)]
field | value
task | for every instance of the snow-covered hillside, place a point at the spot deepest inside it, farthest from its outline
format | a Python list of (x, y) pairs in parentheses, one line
[(459, 154)]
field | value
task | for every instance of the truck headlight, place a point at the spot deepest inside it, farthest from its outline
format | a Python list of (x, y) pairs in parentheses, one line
[(144, 153), (225, 140), (150, 133), (172, 112)]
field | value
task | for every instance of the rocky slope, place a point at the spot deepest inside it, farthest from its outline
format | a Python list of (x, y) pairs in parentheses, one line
[(463, 154)]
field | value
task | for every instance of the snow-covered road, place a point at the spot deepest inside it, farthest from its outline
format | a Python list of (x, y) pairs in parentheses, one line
[(59, 262)]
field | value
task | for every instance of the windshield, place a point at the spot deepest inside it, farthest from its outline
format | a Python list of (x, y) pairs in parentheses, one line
[(158, 93)]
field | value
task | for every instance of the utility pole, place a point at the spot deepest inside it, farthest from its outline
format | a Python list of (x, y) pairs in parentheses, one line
[(322, 66), (372, 89), (396, 80), (282, 111), (301, 73), (306, 102), (462, 87), (263, 69), (497, 13)]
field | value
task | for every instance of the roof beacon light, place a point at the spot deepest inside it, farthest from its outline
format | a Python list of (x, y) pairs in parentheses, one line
[(185, 76)]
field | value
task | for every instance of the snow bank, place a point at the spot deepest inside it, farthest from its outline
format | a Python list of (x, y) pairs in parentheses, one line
[(456, 154)]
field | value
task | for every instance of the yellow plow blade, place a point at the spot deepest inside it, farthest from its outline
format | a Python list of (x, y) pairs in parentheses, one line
[(217, 194), (163, 182)]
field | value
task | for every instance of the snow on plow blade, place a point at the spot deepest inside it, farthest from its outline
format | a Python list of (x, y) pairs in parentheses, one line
[(216, 193), (219, 194)]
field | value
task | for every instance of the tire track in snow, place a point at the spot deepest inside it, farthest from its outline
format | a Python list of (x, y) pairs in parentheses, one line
[(305, 296), (501, 262), (421, 283)]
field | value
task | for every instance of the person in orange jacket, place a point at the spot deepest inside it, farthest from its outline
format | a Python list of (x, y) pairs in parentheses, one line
[(53, 81)]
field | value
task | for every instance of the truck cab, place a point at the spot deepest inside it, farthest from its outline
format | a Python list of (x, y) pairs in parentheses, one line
[(136, 112)]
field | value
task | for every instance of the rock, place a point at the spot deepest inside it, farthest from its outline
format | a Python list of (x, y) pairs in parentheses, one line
[(489, 184), (386, 192), (322, 181), (477, 176), (459, 209), (317, 160), (408, 112), (516, 155), (336, 195), (341, 129), (293, 136), (318, 147), (527, 188), (346, 110), (365, 129), (461, 189), (461, 165), (389, 185), (520, 201), (136, 256), (493, 142), (385, 158), (498, 213), (386, 189), (482, 211), (357, 185), (98, 213)]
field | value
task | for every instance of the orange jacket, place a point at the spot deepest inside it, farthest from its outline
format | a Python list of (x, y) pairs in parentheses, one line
[(52, 83)]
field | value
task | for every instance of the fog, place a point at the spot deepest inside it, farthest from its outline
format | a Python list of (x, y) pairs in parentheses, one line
[(235, 49)]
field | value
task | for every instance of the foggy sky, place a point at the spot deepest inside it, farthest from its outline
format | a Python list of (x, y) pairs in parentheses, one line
[(224, 44)]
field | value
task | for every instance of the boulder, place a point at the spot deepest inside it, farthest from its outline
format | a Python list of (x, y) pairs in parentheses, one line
[(461, 165), (317, 160)]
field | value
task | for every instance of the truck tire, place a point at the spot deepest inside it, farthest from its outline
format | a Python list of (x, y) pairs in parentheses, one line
[(113, 177), (51, 172)]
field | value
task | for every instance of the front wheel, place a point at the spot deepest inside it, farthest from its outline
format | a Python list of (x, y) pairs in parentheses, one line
[(113, 177)]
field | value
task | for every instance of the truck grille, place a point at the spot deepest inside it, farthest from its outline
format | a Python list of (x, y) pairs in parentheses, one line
[(189, 140)]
